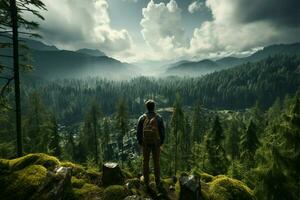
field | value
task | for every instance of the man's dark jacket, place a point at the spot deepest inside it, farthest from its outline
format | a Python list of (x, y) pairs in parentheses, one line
[(160, 123)]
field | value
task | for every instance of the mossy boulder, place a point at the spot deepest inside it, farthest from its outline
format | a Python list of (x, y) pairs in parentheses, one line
[(49, 162), (87, 192), (4, 166), (224, 188), (22, 184), (115, 192), (77, 170), (77, 183)]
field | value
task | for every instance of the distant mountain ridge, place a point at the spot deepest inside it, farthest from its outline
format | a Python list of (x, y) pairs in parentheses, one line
[(202, 67), (49, 62), (91, 52)]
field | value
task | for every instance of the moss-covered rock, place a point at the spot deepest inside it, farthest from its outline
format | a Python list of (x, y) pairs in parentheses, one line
[(4, 166), (115, 192), (45, 160), (224, 188), (77, 170), (133, 183), (88, 192), (22, 184), (93, 176), (206, 178), (77, 183)]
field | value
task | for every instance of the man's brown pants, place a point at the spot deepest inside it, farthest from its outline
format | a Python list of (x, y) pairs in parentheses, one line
[(155, 149)]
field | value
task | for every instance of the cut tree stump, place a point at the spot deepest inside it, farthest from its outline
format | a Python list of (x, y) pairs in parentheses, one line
[(112, 174), (190, 187)]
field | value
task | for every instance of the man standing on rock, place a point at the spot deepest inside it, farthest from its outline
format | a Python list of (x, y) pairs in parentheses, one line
[(150, 136)]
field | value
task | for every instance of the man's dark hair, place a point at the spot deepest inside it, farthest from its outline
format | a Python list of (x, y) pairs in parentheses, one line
[(150, 104)]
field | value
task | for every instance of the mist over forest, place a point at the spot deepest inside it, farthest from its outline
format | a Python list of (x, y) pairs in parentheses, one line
[(75, 79)]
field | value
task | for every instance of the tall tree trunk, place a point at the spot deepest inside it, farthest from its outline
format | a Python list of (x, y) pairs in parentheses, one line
[(95, 137), (14, 19)]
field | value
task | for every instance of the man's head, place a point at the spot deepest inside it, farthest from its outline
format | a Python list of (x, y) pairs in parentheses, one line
[(150, 105)]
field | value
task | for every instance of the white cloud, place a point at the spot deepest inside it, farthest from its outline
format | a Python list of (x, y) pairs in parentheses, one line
[(77, 24), (131, 1), (195, 6), (162, 28), (226, 33)]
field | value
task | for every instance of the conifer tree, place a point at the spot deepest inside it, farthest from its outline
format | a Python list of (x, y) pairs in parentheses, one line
[(249, 144), (233, 140), (177, 123), (122, 124), (92, 131), (37, 125), (279, 158), (197, 124), (54, 144), (11, 19), (105, 139), (217, 162)]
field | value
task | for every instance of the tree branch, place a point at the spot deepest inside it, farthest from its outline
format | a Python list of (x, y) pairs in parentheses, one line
[(9, 80), (3, 77), (6, 56), (5, 36), (6, 67), (5, 31)]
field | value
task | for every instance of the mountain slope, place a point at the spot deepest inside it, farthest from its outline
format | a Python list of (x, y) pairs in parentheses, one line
[(50, 63), (194, 68), (91, 52), (69, 64), (208, 66)]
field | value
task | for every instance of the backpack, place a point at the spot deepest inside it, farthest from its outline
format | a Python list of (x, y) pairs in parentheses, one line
[(150, 131)]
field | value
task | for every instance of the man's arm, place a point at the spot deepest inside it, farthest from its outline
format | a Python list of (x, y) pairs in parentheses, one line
[(161, 128), (139, 131)]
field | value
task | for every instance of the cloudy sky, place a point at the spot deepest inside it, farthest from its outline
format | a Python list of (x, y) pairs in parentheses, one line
[(164, 30)]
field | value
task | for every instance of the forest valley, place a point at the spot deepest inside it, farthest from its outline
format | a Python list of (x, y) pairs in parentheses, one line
[(242, 122), (232, 126)]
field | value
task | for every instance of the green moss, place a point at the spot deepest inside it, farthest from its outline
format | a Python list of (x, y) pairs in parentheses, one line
[(206, 177), (133, 183), (204, 195), (167, 181), (127, 174), (4, 166), (115, 192), (224, 188), (88, 191), (77, 183), (77, 170), (34, 159), (93, 176), (23, 183)]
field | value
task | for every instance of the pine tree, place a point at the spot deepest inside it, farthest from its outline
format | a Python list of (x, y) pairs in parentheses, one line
[(105, 139), (233, 141), (186, 146), (177, 123), (249, 144), (217, 162), (279, 158), (91, 132), (197, 124), (54, 144), (11, 20), (122, 124), (37, 125)]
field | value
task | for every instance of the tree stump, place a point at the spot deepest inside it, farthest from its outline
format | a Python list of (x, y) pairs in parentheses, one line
[(190, 187), (112, 174)]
